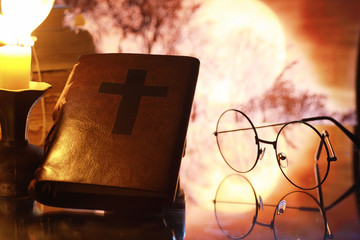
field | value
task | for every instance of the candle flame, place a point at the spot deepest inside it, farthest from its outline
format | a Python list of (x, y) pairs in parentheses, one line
[(18, 18)]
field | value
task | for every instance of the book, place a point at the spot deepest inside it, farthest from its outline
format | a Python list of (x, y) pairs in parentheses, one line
[(119, 133)]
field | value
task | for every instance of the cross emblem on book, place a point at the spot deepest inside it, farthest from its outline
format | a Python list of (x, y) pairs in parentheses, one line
[(132, 92)]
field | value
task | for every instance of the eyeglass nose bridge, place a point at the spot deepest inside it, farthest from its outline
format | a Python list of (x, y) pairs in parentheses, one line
[(262, 150)]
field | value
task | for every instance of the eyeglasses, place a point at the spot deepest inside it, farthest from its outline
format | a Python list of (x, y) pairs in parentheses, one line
[(239, 144), (296, 215)]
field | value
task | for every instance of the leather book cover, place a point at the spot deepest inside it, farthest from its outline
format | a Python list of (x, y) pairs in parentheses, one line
[(119, 131)]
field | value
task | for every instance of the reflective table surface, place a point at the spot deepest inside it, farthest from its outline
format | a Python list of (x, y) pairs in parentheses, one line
[(263, 204), (242, 206)]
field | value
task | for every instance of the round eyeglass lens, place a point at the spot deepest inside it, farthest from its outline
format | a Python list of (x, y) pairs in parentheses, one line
[(235, 206), (299, 216), (299, 157), (236, 139)]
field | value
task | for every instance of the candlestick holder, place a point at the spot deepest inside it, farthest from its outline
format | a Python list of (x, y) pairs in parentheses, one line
[(18, 158)]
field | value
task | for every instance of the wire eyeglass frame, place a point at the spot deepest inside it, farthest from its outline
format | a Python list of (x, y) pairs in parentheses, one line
[(324, 143)]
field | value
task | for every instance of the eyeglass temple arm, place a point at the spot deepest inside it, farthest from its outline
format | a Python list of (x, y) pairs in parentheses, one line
[(349, 134), (318, 181)]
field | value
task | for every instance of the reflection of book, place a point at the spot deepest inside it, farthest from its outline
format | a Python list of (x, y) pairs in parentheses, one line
[(119, 132)]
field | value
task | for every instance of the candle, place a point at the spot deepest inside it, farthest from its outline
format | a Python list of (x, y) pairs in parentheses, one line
[(15, 67), (18, 18)]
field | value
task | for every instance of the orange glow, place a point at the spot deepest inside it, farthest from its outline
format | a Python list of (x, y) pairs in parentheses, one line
[(242, 50)]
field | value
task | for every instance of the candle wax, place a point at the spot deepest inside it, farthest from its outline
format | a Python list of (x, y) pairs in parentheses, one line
[(15, 67)]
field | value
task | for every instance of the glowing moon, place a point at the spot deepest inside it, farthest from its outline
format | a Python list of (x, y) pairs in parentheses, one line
[(245, 44), (242, 49)]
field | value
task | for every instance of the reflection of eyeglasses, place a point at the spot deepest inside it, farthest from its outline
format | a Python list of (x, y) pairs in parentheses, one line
[(236, 135), (298, 214)]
